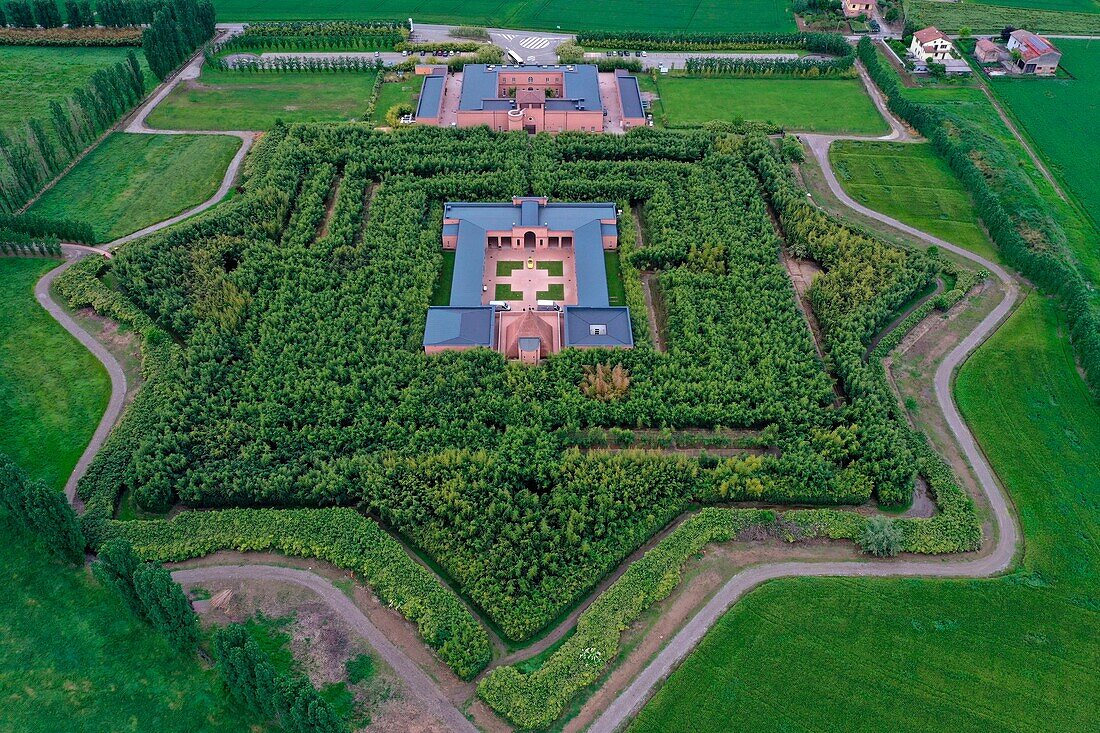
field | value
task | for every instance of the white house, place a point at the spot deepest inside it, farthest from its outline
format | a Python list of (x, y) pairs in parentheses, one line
[(931, 44), (1034, 54)]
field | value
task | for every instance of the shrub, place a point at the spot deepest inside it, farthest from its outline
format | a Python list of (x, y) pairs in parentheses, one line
[(165, 606), (41, 510), (880, 537)]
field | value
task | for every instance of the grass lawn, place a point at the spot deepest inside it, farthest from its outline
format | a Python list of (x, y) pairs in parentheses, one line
[(810, 105), (74, 658), (441, 293), (394, 93), (52, 390), (236, 100), (554, 291), (1071, 6), (913, 184), (554, 268), (504, 292), (33, 76), (1059, 115), (698, 15), (616, 293), (506, 267), (1016, 653), (131, 181)]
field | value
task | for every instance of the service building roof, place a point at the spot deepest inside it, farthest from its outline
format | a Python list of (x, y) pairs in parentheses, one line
[(431, 94), (597, 327), (449, 326), (480, 90)]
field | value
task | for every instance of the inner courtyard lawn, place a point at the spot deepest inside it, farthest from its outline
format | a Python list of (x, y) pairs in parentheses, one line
[(1016, 653), (1071, 145), (74, 658), (699, 15), (913, 184), (52, 390), (131, 181), (809, 105), (239, 100), (31, 77)]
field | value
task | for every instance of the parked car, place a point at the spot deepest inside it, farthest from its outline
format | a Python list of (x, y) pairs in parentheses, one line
[(610, 53), (405, 53), (875, 27), (638, 54), (644, 54)]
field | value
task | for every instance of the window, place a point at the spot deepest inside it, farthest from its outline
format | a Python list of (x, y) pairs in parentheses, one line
[(597, 329), (530, 79)]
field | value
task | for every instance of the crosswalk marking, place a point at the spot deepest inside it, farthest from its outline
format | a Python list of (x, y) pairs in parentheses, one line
[(535, 43), (507, 36)]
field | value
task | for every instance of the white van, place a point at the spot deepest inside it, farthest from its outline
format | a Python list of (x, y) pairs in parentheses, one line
[(500, 305), (548, 305)]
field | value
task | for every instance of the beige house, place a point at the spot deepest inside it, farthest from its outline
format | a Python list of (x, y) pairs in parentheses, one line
[(856, 8), (1033, 54), (986, 51), (930, 44)]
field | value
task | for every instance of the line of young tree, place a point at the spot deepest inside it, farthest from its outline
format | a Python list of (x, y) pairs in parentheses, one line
[(178, 28), (78, 13), (31, 157), (1020, 221), (30, 14), (149, 591), (288, 699), (841, 66), (832, 44), (41, 227), (20, 243), (42, 511)]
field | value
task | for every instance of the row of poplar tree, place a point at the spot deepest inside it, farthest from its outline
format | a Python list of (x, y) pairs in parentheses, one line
[(78, 13), (32, 156), (148, 590)]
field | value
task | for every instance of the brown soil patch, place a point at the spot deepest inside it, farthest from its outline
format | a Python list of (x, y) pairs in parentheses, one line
[(125, 346), (397, 629)]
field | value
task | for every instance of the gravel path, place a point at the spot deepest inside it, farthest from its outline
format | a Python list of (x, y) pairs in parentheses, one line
[(630, 701), (418, 684)]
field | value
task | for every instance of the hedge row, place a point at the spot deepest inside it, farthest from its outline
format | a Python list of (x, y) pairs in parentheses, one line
[(632, 278), (16, 243), (1040, 255), (80, 37), (536, 699), (338, 536), (33, 225)]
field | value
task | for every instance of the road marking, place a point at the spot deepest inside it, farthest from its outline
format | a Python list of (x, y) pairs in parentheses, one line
[(507, 36), (535, 43)]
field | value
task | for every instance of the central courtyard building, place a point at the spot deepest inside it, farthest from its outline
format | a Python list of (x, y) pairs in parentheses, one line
[(530, 278)]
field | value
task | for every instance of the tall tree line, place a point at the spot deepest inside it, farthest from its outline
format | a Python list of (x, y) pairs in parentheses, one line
[(178, 28), (31, 156), (43, 511)]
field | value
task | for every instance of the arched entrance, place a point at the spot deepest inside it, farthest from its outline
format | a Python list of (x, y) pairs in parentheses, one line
[(529, 239)]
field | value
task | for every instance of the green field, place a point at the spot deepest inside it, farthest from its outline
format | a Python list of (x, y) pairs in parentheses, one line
[(913, 184), (131, 181), (237, 100), (810, 105), (506, 267), (1017, 653), (972, 105), (1059, 115), (616, 292), (554, 268), (697, 15), (394, 93), (31, 77), (74, 658), (52, 390)]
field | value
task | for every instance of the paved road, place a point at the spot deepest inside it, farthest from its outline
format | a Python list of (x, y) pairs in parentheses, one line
[(630, 701), (537, 47), (418, 685)]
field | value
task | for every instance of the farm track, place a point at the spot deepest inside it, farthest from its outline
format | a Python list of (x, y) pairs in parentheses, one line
[(630, 700)]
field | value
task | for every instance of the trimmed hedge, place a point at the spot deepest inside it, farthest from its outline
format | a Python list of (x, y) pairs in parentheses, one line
[(536, 699), (339, 536), (833, 44), (75, 37)]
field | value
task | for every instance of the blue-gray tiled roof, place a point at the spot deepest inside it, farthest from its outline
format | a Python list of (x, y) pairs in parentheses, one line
[(480, 89), (431, 96), (450, 326), (579, 323), (630, 95)]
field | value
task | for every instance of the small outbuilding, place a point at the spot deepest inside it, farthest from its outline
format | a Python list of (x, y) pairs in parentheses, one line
[(986, 51)]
